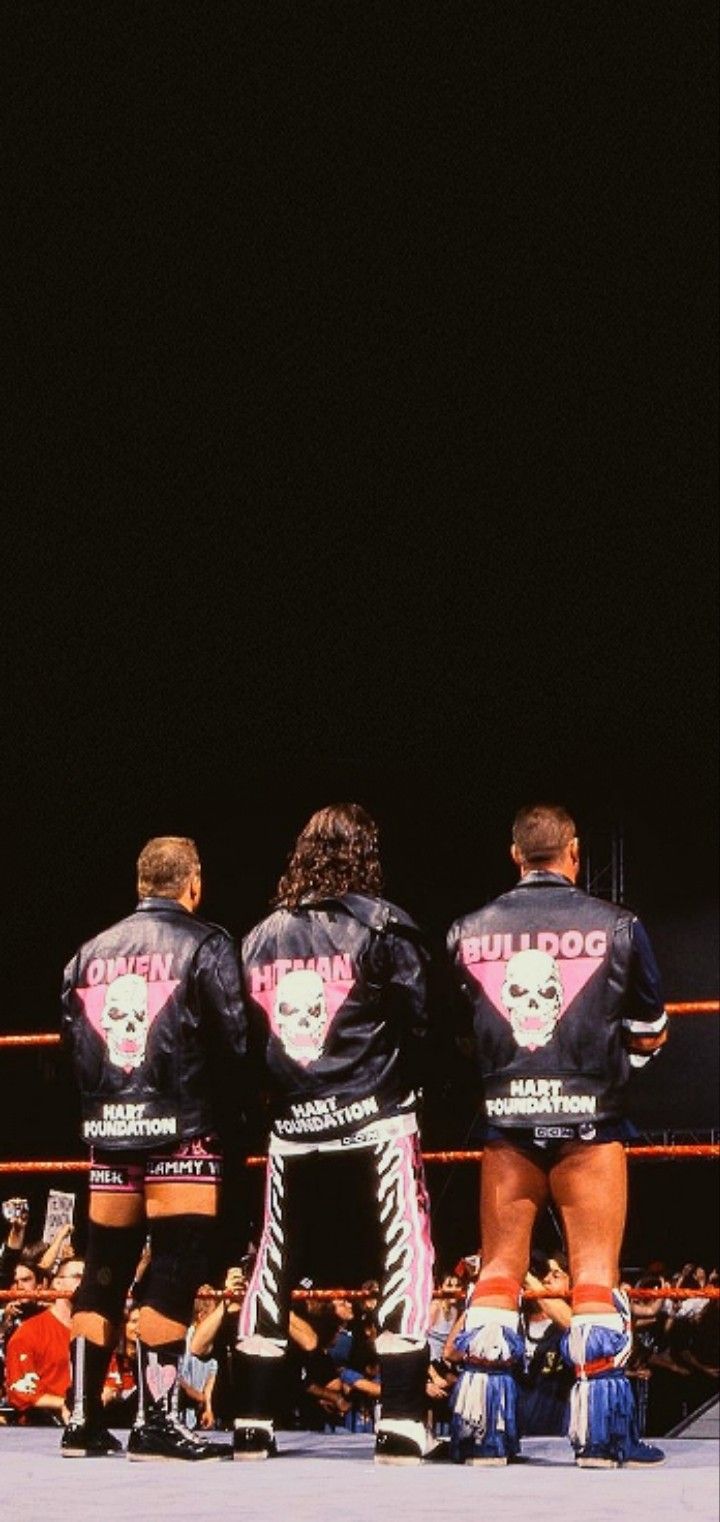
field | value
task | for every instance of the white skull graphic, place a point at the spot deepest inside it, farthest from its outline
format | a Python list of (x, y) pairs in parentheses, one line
[(533, 997), (301, 1016), (125, 1020)]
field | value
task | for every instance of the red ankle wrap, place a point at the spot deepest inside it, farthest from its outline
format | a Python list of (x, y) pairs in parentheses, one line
[(498, 1285), (583, 1294)]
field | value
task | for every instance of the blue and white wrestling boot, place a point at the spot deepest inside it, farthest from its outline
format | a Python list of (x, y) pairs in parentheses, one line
[(483, 1429), (603, 1415)]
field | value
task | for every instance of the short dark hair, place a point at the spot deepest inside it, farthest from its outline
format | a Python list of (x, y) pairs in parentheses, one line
[(164, 866), (538, 1262), (31, 1257), (31, 1266), (542, 831)]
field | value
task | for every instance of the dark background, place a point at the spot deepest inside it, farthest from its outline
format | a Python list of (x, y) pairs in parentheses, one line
[(361, 443)]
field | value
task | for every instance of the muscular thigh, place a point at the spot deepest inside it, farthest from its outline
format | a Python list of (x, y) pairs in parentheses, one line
[(589, 1186), (513, 1189), (117, 1189), (185, 1181)]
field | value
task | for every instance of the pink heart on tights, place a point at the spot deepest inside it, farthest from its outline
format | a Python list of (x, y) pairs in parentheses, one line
[(160, 1378)]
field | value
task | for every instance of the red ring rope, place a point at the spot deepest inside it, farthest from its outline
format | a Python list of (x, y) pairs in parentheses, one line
[(679, 1153), (707, 1292), (688, 1007)]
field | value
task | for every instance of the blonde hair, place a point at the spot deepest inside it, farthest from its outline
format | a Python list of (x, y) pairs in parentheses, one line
[(165, 865)]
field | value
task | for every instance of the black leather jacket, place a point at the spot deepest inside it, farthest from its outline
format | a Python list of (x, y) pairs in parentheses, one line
[(559, 984), (148, 1007), (340, 989)]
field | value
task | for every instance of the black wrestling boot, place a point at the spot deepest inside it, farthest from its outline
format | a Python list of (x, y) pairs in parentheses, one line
[(253, 1442), (258, 1381), (402, 1431), (81, 1441), (158, 1433), (164, 1437), (86, 1436)]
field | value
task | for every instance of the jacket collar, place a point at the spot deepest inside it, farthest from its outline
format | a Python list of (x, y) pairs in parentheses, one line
[(373, 913), (149, 905), (542, 879)]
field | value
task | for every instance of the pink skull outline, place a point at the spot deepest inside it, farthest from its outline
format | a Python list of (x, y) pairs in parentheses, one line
[(533, 996), (301, 1016), (124, 1020)]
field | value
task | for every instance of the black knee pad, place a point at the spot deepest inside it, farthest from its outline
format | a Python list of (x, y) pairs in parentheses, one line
[(111, 1258), (180, 1249)]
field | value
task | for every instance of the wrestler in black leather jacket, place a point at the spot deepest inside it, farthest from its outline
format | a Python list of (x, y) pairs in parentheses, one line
[(339, 987), (561, 986), (148, 1006)]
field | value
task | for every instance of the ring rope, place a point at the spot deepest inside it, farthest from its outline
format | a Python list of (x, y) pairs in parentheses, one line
[(679, 1151), (682, 1152), (706, 1292), (687, 1007)]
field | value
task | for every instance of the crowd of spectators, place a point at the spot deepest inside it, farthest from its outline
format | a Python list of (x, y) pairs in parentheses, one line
[(332, 1371), (676, 1351)]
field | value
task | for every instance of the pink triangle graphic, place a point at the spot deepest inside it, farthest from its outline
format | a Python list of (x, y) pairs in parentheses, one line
[(335, 995), (93, 1000), (574, 972)]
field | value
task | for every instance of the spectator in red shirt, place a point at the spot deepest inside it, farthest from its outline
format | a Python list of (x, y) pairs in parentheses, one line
[(37, 1366)]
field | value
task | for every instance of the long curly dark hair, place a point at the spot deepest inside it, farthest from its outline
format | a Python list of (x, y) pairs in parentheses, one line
[(337, 852)]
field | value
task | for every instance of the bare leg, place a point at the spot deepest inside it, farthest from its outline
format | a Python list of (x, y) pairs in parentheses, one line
[(484, 1427), (589, 1186), (513, 1190)]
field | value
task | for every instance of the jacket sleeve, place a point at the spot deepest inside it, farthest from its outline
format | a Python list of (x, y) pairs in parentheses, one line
[(409, 973), (217, 980), (67, 1012), (457, 989), (407, 970), (645, 1022)]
